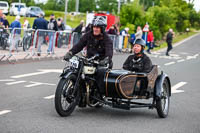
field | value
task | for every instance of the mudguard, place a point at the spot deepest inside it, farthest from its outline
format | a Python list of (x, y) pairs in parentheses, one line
[(159, 82), (66, 72)]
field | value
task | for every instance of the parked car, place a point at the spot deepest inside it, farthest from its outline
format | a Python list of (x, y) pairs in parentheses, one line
[(4, 7), (18, 9), (34, 11)]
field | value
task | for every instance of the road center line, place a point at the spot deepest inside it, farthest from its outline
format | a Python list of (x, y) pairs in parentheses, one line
[(4, 112), (178, 85), (17, 82), (49, 97), (170, 63)]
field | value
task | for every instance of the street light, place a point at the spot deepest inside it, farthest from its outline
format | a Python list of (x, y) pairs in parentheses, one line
[(65, 17)]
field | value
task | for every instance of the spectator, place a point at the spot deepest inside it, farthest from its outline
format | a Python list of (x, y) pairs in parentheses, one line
[(112, 30), (61, 25), (150, 41), (5, 22), (78, 32), (52, 25), (88, 28), (41, 24), (15, 32), (1, 18), (138, 34), (125, 32), (26, 24), (169, 41), (78, 29)]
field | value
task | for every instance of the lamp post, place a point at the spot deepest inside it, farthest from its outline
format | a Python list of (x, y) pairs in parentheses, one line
[(77, 5), (65, 17), (119, 4)]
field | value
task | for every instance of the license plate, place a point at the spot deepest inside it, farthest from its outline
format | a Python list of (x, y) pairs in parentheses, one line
[(74, 63)]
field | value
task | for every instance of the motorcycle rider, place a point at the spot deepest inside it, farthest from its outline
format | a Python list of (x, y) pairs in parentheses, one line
[(138, 62), (97, 42)]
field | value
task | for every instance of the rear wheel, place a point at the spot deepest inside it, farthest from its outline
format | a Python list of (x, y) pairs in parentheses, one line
[(162, 104), (66, 97), (27, 43)]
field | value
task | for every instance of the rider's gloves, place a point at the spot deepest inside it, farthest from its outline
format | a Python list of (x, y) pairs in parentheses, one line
[(68, 56), (104, 61)]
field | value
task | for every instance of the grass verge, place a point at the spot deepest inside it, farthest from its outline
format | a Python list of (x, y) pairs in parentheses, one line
[(176, 39)]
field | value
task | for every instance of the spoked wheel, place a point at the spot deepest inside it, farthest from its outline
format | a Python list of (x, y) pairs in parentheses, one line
[(66, 97), (162, 104), (26, 43)]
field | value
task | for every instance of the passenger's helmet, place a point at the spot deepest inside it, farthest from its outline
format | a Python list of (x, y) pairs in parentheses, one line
[(140, 42), (100, 21)]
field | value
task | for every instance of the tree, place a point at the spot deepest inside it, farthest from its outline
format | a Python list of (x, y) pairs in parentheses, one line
[(108, 5), (132, 13)]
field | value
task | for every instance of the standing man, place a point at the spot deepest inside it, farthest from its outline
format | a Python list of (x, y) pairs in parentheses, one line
[(15, 32), (40, 23), (5, 22), (52, 25), (169, 41)]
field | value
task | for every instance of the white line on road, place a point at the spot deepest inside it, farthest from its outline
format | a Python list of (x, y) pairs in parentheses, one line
[(38, 83), (42, 71), (7, 80), (170, 63), (178, 85), (49, 97), (17, 82), (29, 74), (181, 60), (4, 112)]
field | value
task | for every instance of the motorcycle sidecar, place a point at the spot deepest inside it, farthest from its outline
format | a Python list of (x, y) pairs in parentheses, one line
[(125, 86)]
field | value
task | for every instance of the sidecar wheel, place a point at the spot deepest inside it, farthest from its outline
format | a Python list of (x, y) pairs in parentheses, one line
[(66, 97), (162, 104)]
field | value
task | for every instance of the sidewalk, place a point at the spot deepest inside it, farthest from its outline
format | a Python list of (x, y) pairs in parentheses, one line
[(20, 55)]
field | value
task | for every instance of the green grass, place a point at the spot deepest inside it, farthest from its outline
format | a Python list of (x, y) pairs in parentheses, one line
[(72, 21), (176, 39)]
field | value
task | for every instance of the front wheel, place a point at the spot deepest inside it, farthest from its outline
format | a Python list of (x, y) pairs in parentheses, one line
[(162, 104), (66, 97)]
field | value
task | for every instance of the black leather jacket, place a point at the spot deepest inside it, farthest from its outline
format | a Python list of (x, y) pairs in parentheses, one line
[(101, 45), (138, 64)]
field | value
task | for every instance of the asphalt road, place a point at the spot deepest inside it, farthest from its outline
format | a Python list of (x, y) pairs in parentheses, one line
[(27, 103)]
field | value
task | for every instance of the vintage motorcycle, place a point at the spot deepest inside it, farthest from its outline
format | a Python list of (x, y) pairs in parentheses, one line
[(86, 82)]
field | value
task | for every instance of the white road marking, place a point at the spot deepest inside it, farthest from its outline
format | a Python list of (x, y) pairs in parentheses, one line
[(178, 85), (192, 57), (42, 71), (181, 60), (38, 83), (6, 80), (29, 74), (51, 70), (16, 82), (4, 112), (49, 97), (174, 55), (170, 63)]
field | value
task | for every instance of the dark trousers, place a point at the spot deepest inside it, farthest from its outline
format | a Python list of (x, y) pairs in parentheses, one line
[(169, 47)]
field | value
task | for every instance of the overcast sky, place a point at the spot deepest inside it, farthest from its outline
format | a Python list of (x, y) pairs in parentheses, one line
[(196, 3)]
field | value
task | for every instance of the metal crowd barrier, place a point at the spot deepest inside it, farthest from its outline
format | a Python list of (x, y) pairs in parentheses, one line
[(49, 42), (62, 42)]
